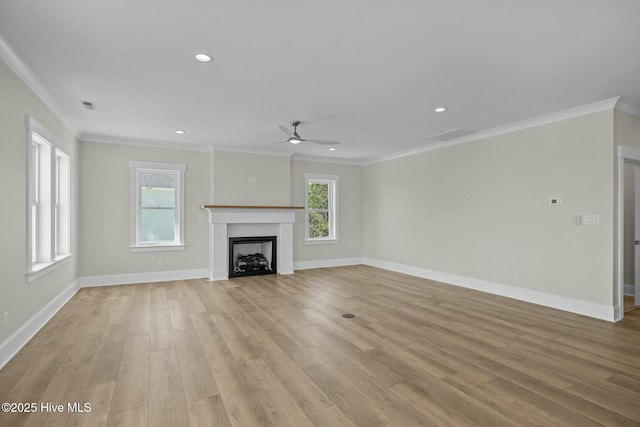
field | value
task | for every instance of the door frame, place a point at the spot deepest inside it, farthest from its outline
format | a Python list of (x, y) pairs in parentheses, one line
[(631, 156)]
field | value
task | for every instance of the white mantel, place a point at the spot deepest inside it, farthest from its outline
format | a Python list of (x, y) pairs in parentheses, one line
[(245, 221)]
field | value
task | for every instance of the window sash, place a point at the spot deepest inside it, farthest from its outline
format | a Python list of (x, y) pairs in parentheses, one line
[(143, 215), (330, 210), (49, 201)]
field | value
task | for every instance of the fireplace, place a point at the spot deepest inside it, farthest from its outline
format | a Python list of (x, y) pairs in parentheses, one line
[(250, 256), (243, 221)]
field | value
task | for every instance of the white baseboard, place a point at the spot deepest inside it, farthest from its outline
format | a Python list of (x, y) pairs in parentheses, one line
[(586, 308), (630, 290), (325, 263), (125, 279), (21, 337)]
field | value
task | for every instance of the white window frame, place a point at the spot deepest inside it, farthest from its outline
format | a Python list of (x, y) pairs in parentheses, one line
[(137, 167), (48, 201), (332, 181)]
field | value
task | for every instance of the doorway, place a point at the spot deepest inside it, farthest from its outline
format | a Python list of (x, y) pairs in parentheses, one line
[(627, 291)]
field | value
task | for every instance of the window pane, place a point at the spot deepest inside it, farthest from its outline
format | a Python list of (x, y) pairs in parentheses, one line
[(318, 196), (318, 224), (158, 225), (157, 190)]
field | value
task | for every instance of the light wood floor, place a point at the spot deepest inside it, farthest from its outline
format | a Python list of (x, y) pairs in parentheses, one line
[(275, 351), (629, 304)]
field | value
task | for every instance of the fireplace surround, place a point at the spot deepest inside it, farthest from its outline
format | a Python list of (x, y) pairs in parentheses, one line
[(227, 221)]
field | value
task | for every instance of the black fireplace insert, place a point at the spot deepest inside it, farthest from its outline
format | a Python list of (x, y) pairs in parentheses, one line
[(249, 256)]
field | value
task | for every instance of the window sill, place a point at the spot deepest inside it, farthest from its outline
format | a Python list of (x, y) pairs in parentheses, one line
[(321, 241), (43, 268), (157, 248)]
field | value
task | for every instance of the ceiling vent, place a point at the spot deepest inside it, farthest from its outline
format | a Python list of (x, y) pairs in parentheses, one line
[(451, 134), (89, 105)]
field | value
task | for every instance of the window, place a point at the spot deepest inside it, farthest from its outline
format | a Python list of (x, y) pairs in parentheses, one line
[(157, 200), (49, 201), (321, 206)]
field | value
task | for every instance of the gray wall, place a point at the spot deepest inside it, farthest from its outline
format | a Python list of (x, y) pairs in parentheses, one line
[(350, 204), (251, 179), (481, 209), (105, 215), (21, 299)]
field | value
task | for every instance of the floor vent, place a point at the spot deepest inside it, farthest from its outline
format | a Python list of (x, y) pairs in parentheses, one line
[(348, 316)]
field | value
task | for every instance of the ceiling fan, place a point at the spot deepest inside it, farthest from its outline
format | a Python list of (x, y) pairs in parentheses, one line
[(294, 138)]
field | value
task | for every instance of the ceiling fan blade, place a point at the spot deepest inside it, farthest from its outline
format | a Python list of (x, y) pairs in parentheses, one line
[(323, 141), (278, 142), (286, 130)]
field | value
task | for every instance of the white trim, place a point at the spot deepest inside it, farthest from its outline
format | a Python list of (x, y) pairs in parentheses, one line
[(321, 241), (14, 62), (137, 164), (333, 208), (631, 155), (628, 107), (325, 177), (320, 159), (21, 337), (607, 104), (42, 269), (250, 150), (179, 170), (327, 263), (586, 308), (156, 248), (155, 276), (630, 290), (51, 180), (171, 145), (12, 345)]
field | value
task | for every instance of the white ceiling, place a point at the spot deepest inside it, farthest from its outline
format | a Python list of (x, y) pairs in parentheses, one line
[(366, 73)]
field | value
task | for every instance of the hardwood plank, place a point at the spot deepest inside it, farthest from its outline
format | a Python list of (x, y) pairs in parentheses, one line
[(208, 412), (132, 384), (274, 350), (278, 404), (99, 396), (167, 405), (196, 376)]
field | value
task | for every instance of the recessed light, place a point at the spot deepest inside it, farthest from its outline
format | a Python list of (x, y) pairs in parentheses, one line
[(203, 57), (440, 109), (180, 132), (332, 149)]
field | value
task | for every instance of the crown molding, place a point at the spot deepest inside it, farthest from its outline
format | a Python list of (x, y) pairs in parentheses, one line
[(594, 107), (15, 64), (319, 159), (627, 106), (250, 150), (107, 139)]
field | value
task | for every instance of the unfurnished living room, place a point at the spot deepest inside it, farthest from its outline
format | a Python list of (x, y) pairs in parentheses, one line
[(357, 213)]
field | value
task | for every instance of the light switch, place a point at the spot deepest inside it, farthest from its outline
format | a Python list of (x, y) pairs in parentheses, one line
[(555, 201)]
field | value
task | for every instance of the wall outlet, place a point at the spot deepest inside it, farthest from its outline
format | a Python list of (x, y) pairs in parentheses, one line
[(5, 319), (555, 201), (516, 274), (160, 261)]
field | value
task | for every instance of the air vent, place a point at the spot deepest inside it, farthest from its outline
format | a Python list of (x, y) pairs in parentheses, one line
[(451, 134), (89, 105)]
